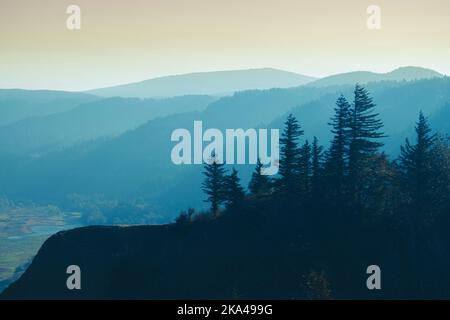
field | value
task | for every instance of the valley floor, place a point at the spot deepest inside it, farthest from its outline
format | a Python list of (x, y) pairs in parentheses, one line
[(22, 232)]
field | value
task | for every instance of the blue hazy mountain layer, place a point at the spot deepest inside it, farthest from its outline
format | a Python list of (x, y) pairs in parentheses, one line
[(216, 83), (136, 164), (16, 104), (91, 120)]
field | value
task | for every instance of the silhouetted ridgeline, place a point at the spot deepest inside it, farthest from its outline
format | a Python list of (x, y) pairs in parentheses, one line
[(228, 257), (262, 252)]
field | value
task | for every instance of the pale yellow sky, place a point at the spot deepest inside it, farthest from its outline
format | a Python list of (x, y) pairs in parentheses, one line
[(122, 41)]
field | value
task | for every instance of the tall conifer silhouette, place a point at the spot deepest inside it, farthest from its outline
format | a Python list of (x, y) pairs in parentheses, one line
[(364, 133), (335, 157), (214, 184), (416, 163), (290, 153)]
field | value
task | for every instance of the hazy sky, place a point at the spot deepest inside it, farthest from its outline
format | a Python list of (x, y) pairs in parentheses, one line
[(123, 41)]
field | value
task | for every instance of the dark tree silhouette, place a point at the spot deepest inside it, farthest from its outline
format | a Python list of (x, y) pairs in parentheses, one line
[(234, 193), (290, 154), (419, 169), (214, 184), (335, 157), (353, 201), (316, 168), (364, 127), (304, 170), (185, 216), (259, 183), (416, 164), (316, 160)]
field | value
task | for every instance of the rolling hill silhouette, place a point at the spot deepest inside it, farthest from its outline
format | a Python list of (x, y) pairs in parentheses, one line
[(17, 104), (363, 77), (137, 163), (207, 83), (105, 117)]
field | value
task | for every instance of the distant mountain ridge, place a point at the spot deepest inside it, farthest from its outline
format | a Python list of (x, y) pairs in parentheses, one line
[(137, 162), (18, 104), (219, 83), (104, 117), (207, 83), (362, 77)]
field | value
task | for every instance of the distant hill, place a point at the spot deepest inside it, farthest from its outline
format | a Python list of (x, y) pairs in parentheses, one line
[(137, 159), (361, 77), (441, 120), (137, 163), (17, 104), (103, 117), (207, 83)]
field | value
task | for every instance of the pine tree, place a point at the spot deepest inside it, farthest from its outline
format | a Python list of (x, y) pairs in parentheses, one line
[(416, 163), (335, 157), (290, 154), (316, 167), (364, 127), (259, 183), (214, 184), (234, 193), (304, 169)]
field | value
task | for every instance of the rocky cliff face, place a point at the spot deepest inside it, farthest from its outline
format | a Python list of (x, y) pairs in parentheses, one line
[(261, 252), (216, 258)]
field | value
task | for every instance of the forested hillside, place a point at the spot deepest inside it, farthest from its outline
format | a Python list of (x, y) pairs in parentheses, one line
[(310, 232)]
